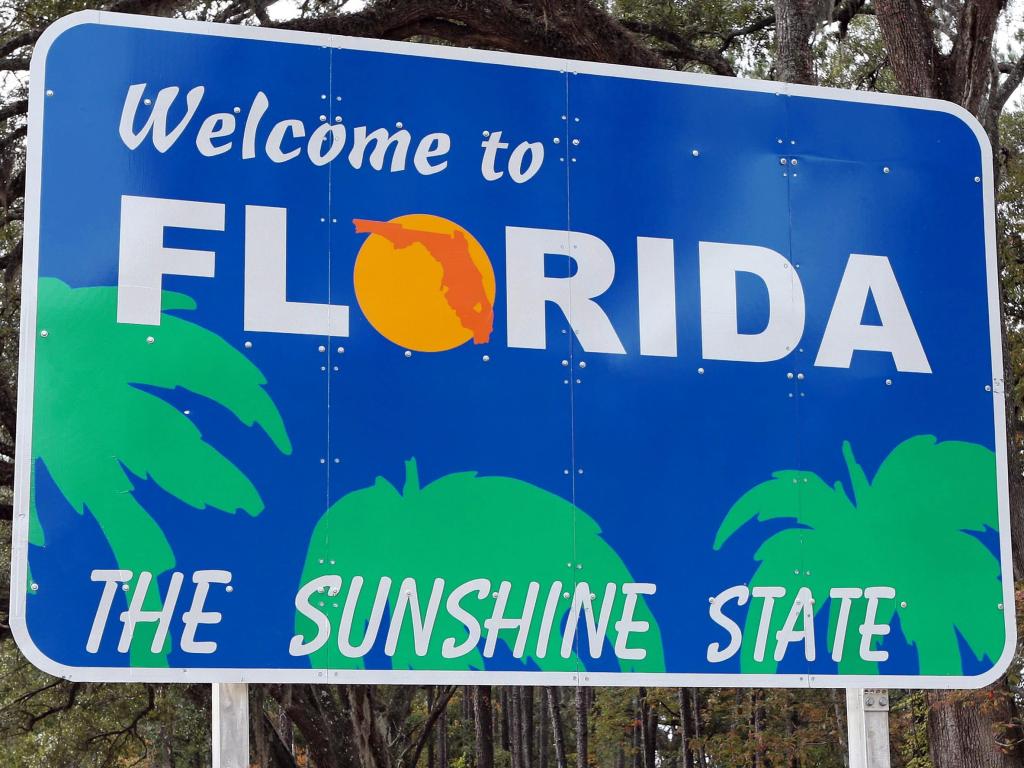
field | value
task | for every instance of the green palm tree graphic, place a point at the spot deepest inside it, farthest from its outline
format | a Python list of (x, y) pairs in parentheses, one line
[(94, 426), (459, 528), (909, 528)]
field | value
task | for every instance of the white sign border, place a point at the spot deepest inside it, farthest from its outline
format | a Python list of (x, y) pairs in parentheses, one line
[(26, 382)]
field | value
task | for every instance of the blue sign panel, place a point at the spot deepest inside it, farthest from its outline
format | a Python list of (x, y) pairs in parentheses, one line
[(347, 361)]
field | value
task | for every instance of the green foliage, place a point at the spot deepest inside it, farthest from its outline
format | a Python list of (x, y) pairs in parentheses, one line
[(444, 536), (46, 722), (93, 439), (908, 717), (934, 494)]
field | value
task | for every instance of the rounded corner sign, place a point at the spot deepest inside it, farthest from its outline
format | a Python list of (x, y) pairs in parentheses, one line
[(356, 361)]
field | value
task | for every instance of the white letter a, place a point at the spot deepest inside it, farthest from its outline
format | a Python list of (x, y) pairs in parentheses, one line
[(896, 335)]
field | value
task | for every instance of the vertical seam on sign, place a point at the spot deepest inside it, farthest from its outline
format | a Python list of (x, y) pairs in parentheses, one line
[(570, 337), (798, 432), (329, 223)]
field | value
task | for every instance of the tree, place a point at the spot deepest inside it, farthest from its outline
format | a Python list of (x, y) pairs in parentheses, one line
[(935, 493), (89, 439), (444, 538), (927, 48)]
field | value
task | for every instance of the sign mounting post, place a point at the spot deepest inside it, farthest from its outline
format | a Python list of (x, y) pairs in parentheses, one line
[(230, 725), (867, 715)]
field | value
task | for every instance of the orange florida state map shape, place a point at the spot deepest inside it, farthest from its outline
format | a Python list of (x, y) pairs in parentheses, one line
[(400, 293)]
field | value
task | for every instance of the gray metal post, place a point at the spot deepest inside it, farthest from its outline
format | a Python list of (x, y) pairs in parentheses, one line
[(867, 716), (231, 725)]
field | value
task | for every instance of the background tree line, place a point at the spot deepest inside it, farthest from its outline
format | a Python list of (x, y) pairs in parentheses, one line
[(941, 48)]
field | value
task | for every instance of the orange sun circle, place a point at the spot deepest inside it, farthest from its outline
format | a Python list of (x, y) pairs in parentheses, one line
[(424, 283)]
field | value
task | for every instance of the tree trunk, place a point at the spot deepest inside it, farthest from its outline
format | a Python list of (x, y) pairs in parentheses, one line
[(839, 712), (960, 729), (441, 738), (961, 76), (638, 752), (431, 762), (542, 738), (284, 726), (697, 727), (792, 727), (648, 731), (795, 21), (526, 722), (482, 727), (503, 721), (685, 729), (370, 744), (581, 728), (557, 734), (515, 729)]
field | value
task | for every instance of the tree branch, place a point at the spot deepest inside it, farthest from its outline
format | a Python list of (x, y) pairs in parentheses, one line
[(684, 47), (586, 31), (1015, 75)]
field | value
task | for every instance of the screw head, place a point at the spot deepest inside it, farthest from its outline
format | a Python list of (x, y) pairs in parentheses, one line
[(341, 350), (323, 118), (150, 339), (229, 588), (903, 604), (248, 345), (700, 371), (565, 363), (575, 142), (583, 363), (565, 594), (49, 92), (885, 169), (782, 161), (44, 333), (977, 179), (408, 353), (888, 382), (557, 140), (793, 161), (34, 586), (486, 358), (789, 375), (695, 153)]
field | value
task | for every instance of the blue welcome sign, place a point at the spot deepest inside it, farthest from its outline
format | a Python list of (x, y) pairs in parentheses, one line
[(347, 360)]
